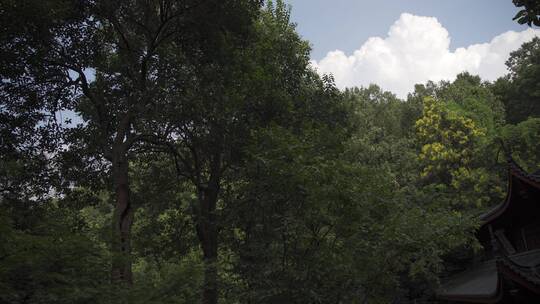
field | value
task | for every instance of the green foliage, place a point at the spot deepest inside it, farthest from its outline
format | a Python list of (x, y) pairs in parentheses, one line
[(530, 12), (452, 147), (383, 110), (519, 90), (171, 281), (248, 176), (45, 261), (524, 141), (448, 140), (472, 98)]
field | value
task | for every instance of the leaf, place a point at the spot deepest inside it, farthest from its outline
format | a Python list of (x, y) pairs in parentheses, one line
[(520, 14), (523, 20)]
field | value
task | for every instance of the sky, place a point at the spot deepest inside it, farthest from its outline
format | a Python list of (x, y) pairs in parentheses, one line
[(398, 43)]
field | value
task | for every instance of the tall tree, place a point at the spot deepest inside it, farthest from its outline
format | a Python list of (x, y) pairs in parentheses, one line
[(238, 90), (121, 63)]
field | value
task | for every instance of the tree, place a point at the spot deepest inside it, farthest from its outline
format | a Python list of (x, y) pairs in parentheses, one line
[(329, 214), (471, 97), (235, 172), (530, 12), (523, 141), (519, 90), (263, 83), (137, 51), (391, 159), (450, 147), (382, 109), (45, 257)]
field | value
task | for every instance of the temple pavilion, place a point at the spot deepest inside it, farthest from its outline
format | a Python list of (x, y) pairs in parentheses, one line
[(510, 234)]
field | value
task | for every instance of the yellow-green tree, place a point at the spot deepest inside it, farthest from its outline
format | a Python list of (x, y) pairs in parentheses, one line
[(451, 146)]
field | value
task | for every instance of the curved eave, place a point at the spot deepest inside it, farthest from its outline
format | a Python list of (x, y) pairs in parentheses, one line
[(517, 171), (499, 209), (514, 171)]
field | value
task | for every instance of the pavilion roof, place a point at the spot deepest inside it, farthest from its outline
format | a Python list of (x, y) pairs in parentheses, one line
[(514, 171), (484, 283), (476, 285)]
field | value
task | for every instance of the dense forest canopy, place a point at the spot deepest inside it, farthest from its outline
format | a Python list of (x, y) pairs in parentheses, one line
[(185, 151)]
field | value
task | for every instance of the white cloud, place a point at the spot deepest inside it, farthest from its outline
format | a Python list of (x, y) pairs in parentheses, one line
[(417, 50)]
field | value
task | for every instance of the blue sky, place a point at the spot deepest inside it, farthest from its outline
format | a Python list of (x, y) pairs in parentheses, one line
[(346, 24), (398, 43)]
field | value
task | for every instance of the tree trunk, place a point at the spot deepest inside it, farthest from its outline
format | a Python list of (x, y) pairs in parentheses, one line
[(207, 233), (122, 220)]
